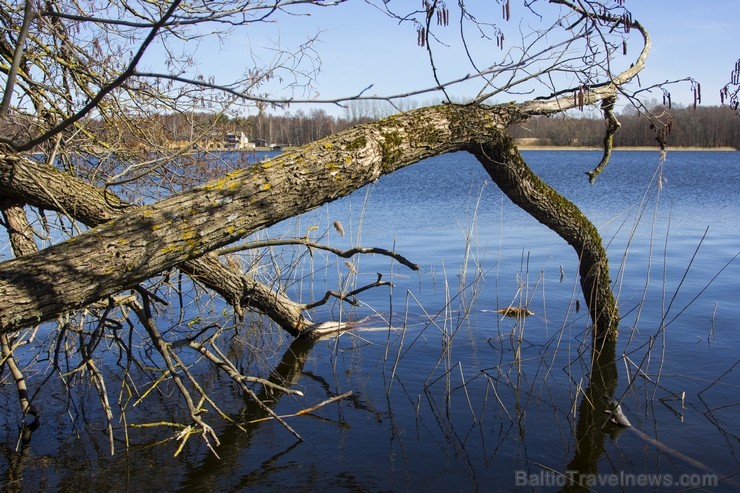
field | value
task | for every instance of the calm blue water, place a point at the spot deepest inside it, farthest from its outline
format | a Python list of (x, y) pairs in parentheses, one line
[(454, 397)]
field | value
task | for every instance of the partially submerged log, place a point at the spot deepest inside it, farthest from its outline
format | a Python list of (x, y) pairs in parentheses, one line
[(515, 312)]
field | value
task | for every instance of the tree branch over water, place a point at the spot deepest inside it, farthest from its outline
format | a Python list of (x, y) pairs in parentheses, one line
[(151, 239)]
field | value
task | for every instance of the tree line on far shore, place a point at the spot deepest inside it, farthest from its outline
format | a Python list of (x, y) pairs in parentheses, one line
[(704, 127)]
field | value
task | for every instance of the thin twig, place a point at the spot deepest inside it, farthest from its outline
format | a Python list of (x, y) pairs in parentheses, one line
[(306, 410)]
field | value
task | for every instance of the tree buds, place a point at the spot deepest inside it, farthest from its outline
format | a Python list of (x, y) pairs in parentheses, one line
[(663, 130), (505, 9), (430, 8), (727, 92)]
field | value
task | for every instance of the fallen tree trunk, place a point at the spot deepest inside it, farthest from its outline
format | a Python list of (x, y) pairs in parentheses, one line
[(43, 186), (146, 241)]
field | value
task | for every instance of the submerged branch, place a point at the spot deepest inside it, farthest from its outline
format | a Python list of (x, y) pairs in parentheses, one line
[(228, 367), (173, 363), (306, 410)]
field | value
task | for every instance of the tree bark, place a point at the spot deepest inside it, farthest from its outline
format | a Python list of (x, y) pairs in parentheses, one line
[(20, 234), (40, 185), (19, 231), (148, 240)]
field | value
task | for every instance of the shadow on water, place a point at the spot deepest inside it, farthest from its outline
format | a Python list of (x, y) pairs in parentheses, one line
[(214, 472), (601, 416), (234, 440), (593, 426), (17, 459), (594, 417)]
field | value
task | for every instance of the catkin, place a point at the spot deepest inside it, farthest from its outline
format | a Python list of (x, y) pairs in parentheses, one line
[(339, 228)]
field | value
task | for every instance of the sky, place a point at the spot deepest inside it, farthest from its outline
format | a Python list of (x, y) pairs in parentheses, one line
[(360, 46)]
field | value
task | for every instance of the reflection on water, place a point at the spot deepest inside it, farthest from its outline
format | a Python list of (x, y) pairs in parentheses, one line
[(454, 396)]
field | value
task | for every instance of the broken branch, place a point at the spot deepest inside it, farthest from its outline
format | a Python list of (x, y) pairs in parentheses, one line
[(612, 125)]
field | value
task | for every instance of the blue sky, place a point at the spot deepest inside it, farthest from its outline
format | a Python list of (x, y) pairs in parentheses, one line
[(360, 46), (700, 39)]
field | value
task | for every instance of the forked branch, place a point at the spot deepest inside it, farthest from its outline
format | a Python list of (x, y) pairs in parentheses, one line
[(349, 297)]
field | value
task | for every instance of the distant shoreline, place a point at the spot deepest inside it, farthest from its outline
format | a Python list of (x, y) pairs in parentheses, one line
[(524, 147), (521, 147), (635, 148)]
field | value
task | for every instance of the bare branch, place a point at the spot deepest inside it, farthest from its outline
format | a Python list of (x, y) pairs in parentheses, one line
[(104, 91), (28, 16), (557, 103), (350, 297), (318, 246), (175, 367)]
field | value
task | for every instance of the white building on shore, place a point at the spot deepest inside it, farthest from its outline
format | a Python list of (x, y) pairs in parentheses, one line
[(237, 140)]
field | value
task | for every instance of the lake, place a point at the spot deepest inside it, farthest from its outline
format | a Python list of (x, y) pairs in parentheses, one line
[(446, 393)]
